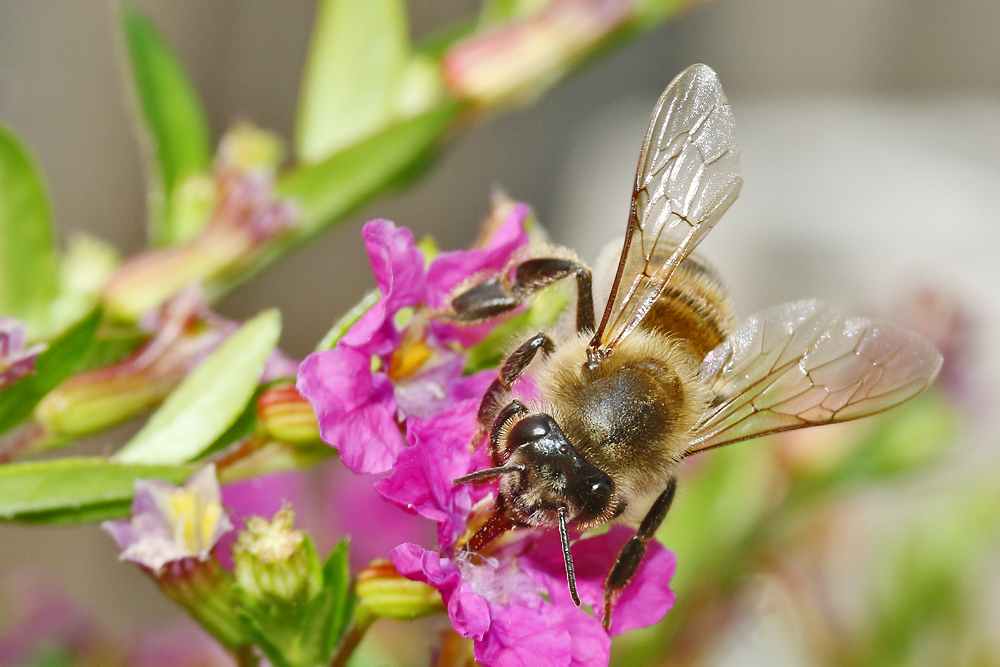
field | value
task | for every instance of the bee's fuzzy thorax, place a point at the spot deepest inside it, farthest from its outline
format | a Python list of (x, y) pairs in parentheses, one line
[(631, 416)]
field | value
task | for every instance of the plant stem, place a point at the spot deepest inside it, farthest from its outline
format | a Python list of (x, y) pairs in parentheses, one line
[(355, 633), (246, 657)]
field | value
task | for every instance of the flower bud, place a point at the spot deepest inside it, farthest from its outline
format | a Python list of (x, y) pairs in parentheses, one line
[(385, 592), (286, 416), (185, 332), (246, 216), (517, 61), (249, 148)]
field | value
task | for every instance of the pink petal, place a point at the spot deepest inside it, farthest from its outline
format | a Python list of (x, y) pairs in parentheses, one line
[(355, 408), (646, 599), (449, 269), (398, 266), (421, 480), (518, 637)]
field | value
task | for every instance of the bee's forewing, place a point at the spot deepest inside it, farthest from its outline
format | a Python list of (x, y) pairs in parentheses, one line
[(802, 364), (688, 175)]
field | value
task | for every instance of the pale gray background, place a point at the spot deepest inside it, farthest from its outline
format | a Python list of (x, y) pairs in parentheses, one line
[(870, 133)]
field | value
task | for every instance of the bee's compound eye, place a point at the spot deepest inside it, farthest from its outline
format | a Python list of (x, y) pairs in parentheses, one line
[(531, 428)]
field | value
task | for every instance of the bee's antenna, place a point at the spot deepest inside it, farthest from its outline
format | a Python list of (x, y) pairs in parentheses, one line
[(568, 556), (488, 473)]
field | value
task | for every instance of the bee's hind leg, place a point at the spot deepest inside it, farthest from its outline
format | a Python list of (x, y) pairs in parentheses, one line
[(497, 296), (631, 554)]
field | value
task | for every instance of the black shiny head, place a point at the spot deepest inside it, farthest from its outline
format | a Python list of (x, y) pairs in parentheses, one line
[(551, 475)]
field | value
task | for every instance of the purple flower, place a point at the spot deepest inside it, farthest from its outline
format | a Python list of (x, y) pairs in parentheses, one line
[(172, 523), (16, 361), (381, 373), (514, 603)]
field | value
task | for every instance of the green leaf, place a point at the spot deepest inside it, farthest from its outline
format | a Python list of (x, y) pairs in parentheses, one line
[(209, 400), (64, 355), (332, 608), (74, 489), (330, 189), (501, 11), (241, 427), (176, 128), (84, 269), (28, 276), (356, 60)]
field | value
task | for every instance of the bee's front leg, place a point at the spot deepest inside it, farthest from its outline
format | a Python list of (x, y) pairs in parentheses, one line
[(497, 397), (631, 554), (499, 295)]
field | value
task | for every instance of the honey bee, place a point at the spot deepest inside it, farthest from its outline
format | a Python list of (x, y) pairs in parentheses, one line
[(668, 371)]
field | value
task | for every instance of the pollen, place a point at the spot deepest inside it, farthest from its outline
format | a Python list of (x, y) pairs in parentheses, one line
[(408, 359)]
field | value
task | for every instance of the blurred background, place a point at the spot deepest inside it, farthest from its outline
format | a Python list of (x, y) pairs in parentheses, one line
[(870, 132)]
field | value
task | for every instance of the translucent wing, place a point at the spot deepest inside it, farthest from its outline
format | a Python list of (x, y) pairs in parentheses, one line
[(688, 176), (803, 363)]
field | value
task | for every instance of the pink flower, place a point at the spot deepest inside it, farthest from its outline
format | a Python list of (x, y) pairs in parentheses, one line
[(381, 373), (391, 397)]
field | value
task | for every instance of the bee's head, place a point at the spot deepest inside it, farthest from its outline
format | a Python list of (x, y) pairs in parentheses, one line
[(544, 481), (549, 474)]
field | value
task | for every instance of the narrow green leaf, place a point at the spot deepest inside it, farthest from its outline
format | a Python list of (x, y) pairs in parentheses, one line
[(501, 11), (65, 354), (209, 400), (334, 604), (28, 276), (332, 188), (241, 427), (175, 124), (74, 489), (356, 59)]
